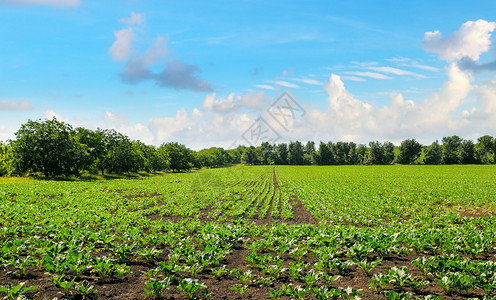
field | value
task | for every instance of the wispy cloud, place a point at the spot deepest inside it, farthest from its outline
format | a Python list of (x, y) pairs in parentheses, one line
[(372, 75), (353, 78), (15, 105), (284, 83), (396, 71), (308, 81), (264, 86), (409, 63)]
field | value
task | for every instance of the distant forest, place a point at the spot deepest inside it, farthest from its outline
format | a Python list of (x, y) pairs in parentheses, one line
[(54, 148)]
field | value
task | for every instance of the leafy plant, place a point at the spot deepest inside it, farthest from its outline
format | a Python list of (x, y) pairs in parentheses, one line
[(14, 292), (190, 287), (240, 288), (156, 287)]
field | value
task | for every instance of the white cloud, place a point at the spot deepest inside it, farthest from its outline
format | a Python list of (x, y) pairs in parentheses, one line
[(396, 71), (285, 84), (50, 114), (121, 49), (408, 62), (171, 128), (308, 81), (134, 19), (470, 41), (6, 133), (16, 105), (233, 103), (121, 124), (372, 75), (43, 2), (354, 78), (264, 86)]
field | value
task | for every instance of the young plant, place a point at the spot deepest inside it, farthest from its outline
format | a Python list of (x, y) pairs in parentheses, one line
[(156, 287), (85, 289), (149, 254), (393, 295), (190, 287), (366, 266), (244, 277), (220, 272), (277, 293), (296, 292), (21, 265), (103, 268), (14, 292), (379, 282), (312, 277), (121, 270), (65, 285), (240, 288)]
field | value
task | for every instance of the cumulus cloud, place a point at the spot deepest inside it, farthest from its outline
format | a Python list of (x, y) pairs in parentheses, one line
[(43, 2), (121, 124), (470, 41), (233, 103), (6, 133), (121, 48), (15, 105), (139, 65), (50, 114)]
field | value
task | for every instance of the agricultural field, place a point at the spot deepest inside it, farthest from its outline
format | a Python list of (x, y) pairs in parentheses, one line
[(254, 232)]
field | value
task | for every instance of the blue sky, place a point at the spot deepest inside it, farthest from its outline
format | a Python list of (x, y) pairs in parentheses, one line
[(202, 72)]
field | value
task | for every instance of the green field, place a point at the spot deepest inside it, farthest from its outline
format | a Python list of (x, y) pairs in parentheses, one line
[(339, 232)]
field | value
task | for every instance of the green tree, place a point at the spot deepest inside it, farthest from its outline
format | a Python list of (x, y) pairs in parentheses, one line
[(381, 154), (388, 149), (49, 147), (179, 157), (451, 150), (120, 154), (267, 153), (296, 153), (213, 157), (484, 149), (95, 147), (467, 152), (409, 151), (361, 153), (282, 154), (433, 154), (249, 156), (309, 153), (6, 160), (326, 157)]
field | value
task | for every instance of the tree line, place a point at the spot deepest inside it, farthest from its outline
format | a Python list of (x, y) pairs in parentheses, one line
[(55, 148)]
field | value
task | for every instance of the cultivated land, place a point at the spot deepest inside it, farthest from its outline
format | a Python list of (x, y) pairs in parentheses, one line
[(373, 232)]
